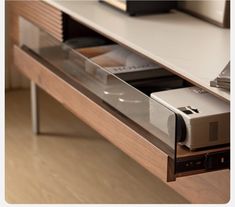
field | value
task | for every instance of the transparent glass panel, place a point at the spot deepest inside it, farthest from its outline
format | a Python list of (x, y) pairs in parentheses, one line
[(155, 119)]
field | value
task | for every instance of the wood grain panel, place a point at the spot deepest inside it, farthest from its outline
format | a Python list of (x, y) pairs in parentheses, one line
[(40, 17), (41, 14), (95, 116), (43, 6), (28, 10)]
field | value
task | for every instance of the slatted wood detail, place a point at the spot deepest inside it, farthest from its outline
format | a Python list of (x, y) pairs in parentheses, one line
[(40, 13)]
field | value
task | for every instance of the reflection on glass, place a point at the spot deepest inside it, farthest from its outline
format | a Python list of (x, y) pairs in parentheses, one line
[(158, 121)]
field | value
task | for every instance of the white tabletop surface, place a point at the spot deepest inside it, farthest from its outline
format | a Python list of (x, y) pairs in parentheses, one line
[(191, 48)]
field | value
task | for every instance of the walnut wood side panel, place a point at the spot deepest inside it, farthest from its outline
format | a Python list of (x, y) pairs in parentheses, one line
[(41, 14), (38, 12), (94, 115)]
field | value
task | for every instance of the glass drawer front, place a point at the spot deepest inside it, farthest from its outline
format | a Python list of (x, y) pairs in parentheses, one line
[(111, 90)]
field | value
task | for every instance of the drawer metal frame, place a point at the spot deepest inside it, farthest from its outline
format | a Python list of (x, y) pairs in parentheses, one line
[(35, 113)]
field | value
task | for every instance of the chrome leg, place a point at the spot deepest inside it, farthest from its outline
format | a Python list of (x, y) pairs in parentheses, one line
[(34, 107)]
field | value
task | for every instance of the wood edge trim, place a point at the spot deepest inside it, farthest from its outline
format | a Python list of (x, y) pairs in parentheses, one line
[(153, 165)]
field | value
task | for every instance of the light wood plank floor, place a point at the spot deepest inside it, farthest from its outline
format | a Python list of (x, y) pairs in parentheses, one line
[(69, 162)]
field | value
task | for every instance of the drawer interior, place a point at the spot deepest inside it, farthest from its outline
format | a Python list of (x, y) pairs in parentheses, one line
[(121, 81)]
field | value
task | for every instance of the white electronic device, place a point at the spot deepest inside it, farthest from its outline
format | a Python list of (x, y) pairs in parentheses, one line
[(207, 118)]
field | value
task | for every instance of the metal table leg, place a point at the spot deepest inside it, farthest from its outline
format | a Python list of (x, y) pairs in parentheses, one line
[(34, 107)]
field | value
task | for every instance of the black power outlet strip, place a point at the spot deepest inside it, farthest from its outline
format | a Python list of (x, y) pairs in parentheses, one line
[(208, 162)]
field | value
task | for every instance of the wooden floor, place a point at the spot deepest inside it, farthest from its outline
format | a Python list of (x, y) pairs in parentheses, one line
[(69, 162)]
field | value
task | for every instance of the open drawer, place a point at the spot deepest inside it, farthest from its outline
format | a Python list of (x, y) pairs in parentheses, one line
[(115, 108)]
